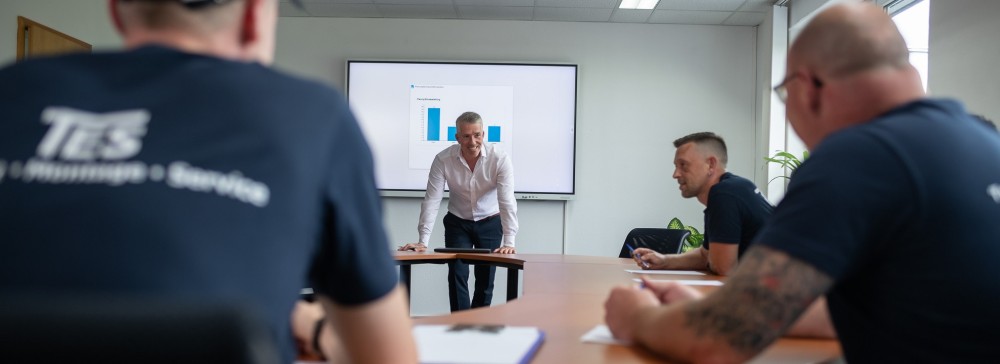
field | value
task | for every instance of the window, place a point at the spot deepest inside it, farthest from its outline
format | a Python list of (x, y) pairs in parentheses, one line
[(914, 23)]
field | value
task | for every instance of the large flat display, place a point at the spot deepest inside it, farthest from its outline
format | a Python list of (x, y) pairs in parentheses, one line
[(407, 111)]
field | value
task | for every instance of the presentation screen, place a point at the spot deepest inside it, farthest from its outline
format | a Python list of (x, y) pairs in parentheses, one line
[(407, 111)]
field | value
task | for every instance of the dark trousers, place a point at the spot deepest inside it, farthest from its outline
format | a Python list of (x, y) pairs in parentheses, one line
[(460, 233)]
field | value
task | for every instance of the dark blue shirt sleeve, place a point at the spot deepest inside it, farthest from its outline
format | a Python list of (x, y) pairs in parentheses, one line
[(841, 203), (353, 264), (724, 224)]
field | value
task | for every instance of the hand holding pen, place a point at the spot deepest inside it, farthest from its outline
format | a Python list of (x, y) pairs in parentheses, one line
[(639, 254)]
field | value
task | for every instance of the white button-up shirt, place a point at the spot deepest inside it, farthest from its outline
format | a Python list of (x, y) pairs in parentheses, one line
[(473, 195)]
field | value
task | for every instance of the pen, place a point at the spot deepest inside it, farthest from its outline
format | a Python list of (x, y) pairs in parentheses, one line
[(632, 252)]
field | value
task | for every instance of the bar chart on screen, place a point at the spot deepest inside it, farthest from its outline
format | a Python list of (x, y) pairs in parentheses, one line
[(434, 108)]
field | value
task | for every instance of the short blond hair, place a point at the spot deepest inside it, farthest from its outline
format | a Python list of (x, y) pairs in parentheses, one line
[(162, 15), (712, 142)]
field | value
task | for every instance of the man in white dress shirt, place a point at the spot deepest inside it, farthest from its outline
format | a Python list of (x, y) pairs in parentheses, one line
[(482, 212)]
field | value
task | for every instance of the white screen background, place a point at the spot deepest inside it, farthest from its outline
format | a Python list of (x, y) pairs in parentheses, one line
[(544, 112)]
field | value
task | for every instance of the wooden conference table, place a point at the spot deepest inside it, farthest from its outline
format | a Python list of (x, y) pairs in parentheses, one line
[(564, 296)]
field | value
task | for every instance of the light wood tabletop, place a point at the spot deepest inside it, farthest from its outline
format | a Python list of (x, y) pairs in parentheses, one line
[(564, 296)]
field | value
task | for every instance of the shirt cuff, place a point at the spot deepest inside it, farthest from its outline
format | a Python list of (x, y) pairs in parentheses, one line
[(424, 239), (508, 240)]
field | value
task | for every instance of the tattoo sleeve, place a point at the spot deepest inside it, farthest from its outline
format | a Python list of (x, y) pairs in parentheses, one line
[(766, 295)]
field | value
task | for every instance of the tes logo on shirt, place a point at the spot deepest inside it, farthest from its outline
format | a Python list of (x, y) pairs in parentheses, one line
[(82, 136)]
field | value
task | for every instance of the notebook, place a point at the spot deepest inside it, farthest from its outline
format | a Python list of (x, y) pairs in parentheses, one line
[(477, 344)]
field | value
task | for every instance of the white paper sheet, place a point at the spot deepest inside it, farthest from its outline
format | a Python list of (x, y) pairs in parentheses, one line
[(479, 344), (677, 272), (686, 282), (600, 334)]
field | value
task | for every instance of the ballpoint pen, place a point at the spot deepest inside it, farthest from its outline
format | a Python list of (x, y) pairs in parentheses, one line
[(632, 252)]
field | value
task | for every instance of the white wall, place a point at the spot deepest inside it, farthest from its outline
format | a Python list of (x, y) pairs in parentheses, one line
[(964, 54), (86, 20), (640, 87)]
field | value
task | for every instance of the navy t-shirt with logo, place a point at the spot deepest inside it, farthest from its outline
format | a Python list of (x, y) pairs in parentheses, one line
[(156, 172), (735, 212), (903, 213)]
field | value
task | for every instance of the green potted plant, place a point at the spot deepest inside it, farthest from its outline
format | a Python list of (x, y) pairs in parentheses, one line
[(787, 161), (693, 241)]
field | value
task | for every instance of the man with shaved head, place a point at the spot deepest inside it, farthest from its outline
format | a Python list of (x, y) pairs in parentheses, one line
[(735, 210), (184, 168), (893, 219)]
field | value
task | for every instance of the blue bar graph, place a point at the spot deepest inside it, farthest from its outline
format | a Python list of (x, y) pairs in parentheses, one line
[(433, 124), (493, 134), (451, 133)]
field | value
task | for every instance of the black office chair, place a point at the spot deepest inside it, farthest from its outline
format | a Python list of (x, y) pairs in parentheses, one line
[(664, 241), (126, 330)]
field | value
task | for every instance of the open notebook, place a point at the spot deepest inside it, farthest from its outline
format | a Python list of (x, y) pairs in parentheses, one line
[(476, 344)]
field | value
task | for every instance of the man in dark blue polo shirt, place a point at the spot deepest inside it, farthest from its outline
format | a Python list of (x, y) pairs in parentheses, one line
[(894, 219), (184, 168), (735, 210)]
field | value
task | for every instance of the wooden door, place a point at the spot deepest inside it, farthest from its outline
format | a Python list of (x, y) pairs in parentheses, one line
[(34, 39)]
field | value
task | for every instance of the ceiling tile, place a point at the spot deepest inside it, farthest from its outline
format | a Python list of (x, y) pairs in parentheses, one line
[(630, 16), (757, 5), (688, 17), (745, 18), (414, 2), (418, 11), (343, 10), (704, 5), (496, 2), (607, 4), (572, 14), (495, 12)]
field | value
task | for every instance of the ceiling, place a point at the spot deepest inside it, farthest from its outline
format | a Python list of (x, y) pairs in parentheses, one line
[(711, 12)]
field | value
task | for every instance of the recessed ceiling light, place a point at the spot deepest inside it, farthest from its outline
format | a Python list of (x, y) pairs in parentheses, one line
[(647, 4), (628, 4), (638, 4)]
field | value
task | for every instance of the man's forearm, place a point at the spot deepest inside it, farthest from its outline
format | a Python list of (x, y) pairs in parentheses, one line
[(375, 332), (814, 322), (767, 294), (722, 258), (692, 259), (684, 343)]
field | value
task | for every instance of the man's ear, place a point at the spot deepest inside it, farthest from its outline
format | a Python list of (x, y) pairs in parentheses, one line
[(249, 32), (813, 90), (116, 18), (713, 163)]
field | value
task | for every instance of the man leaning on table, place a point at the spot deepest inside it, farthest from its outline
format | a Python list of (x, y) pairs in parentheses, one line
[(893, 219), (482, 211), (735, 210), (247, 180)]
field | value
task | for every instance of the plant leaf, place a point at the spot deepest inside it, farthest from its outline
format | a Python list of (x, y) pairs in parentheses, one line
[(695, 239), (675, 223)]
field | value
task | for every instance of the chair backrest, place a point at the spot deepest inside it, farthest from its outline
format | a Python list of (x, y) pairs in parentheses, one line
[(117, 330), (664, 241)]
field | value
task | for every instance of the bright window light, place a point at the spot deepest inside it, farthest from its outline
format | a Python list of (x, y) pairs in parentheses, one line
[(638, 4), (647, 4), (628, 4), (914, 24)]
